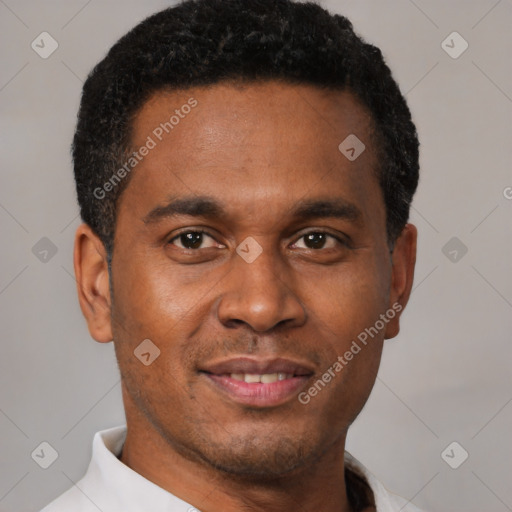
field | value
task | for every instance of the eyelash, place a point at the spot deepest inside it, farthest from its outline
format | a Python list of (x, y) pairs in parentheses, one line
[(203, 232)]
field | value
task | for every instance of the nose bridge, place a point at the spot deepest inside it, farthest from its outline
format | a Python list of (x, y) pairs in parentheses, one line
[(257, 292), (263, 274)]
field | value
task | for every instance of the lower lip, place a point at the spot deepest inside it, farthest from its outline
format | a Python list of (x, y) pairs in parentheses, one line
[(258, 394)]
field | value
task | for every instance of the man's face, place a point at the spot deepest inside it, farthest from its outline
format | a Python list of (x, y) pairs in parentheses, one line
[(248, 243)]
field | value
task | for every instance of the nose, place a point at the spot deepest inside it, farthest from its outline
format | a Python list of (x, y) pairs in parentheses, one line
[(259, 294)]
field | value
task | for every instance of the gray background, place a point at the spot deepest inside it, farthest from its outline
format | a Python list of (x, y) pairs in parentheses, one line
[(445, 378)]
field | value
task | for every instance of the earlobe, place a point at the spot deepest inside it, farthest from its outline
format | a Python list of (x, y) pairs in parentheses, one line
[(92, 278), (404, 261)]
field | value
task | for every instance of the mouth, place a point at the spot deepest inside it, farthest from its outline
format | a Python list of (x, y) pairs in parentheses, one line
[(258, 383)]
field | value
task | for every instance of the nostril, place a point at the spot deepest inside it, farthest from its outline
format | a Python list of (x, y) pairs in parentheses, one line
[(233, 323)]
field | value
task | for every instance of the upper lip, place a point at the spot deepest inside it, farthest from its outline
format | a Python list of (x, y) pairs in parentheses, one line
[(258, 366)]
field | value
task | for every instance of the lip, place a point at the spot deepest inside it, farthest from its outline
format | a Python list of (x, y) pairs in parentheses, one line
[(258, 366), (258, 395)]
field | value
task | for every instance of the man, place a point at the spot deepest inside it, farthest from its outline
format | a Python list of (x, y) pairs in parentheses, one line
[(244, 170)]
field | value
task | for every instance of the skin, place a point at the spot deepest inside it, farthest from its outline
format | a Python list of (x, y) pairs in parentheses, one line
[(259, 150)]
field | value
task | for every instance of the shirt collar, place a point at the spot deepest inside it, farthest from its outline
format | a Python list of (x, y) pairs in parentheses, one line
[(116, 486)]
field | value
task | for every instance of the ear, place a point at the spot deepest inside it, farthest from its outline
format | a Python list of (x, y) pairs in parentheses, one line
[(91, 271), (403, 261)]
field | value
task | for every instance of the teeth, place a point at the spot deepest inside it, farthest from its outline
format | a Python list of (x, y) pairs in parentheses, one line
[(265, 378)]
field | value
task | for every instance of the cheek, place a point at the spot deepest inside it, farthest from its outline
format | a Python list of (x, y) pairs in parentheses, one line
[(157, 390), (152, 298), (350, 299), (152, 302), (149, 306), (359, 378)]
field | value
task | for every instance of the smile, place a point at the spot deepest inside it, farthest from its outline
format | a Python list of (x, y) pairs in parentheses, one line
[(258, 383)]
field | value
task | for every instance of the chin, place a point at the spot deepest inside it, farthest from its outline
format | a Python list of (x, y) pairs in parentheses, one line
[(258, 458)]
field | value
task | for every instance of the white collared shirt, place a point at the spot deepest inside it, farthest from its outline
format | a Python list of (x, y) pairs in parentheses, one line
[(111, 486)]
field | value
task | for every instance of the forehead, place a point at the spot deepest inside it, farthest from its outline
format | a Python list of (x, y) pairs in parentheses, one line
[(238, 110), (247, 143)]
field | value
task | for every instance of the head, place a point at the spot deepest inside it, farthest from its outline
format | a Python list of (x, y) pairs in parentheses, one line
[(224, 222)]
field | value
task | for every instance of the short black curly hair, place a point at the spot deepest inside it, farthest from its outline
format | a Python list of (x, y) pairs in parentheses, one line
[(203, 42)]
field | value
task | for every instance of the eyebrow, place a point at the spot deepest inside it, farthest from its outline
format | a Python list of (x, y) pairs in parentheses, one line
[(201, 206), (210, 208)]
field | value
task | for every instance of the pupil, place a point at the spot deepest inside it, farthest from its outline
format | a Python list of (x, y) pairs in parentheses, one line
[(191, 240), (316, 240)]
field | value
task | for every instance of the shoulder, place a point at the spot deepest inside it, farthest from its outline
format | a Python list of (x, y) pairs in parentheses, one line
[(72, 499), (91, 492)]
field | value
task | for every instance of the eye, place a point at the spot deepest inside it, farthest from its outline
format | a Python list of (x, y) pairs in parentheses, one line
[(192, 240), (319, 240)]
